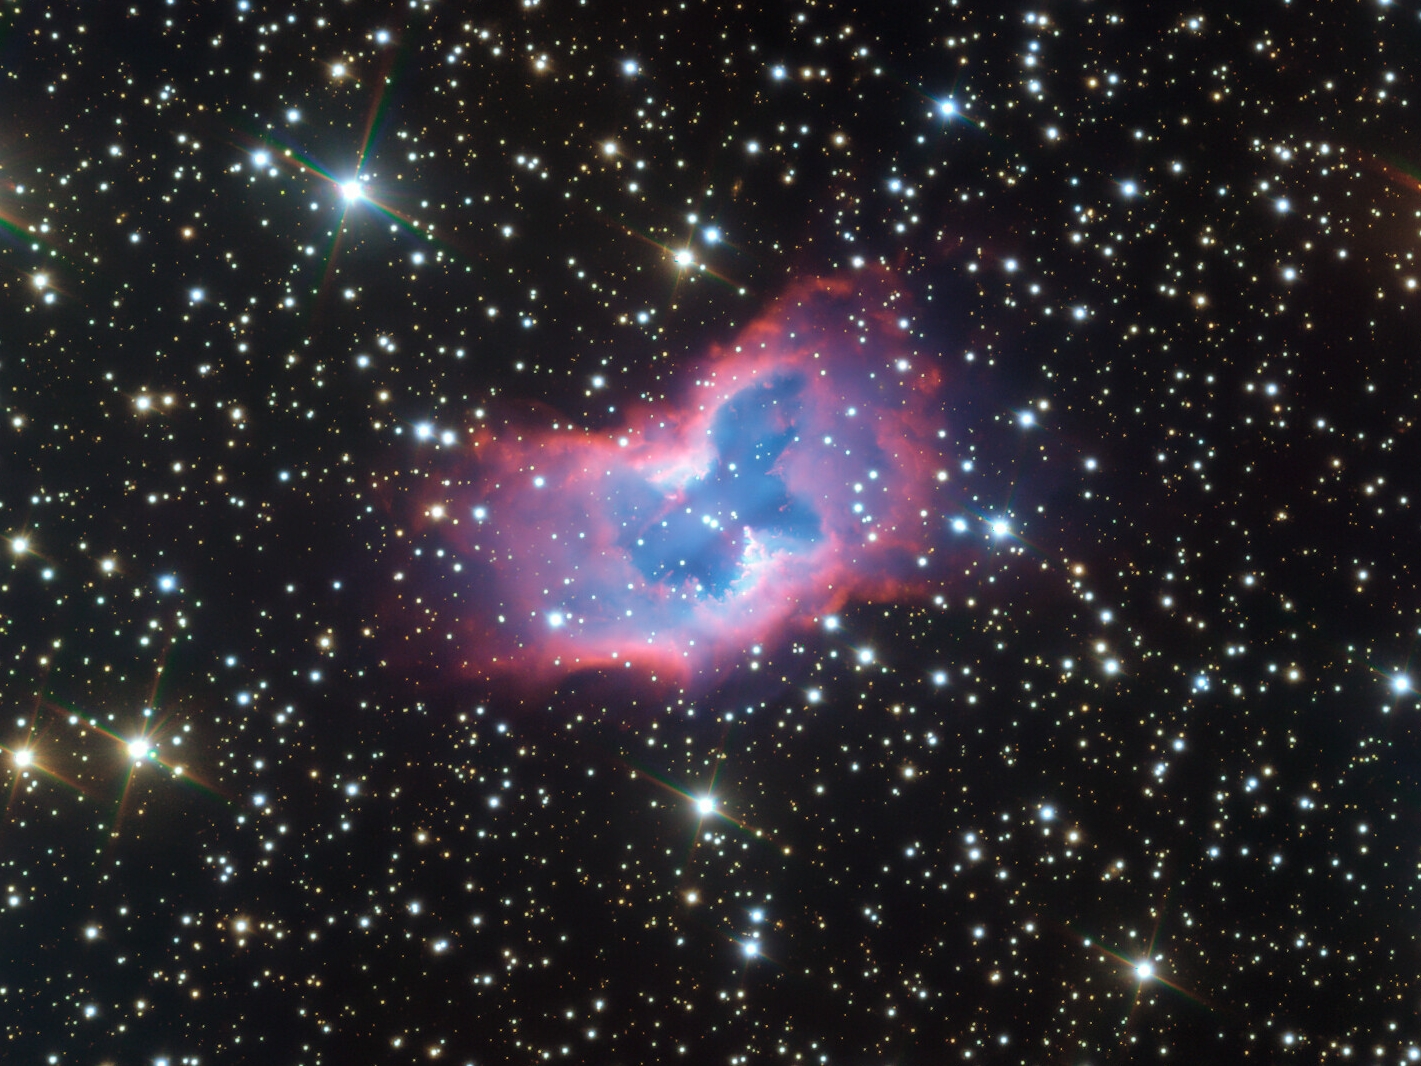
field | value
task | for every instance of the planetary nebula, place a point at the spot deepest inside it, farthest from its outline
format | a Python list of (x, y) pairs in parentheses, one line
[(796, 468)]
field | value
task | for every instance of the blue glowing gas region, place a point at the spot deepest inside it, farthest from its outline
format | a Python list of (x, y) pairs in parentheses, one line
[(701, 534)]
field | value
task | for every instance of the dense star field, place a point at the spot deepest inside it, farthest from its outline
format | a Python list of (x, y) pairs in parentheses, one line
[(582, 532)]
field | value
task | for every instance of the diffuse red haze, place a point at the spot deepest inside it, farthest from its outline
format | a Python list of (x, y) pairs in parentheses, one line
[(797, 469)]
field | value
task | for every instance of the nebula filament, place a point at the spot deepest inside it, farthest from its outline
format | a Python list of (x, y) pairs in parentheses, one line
[(801, 468)]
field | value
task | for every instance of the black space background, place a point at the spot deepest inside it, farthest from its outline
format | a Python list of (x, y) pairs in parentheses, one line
[(307, 890)]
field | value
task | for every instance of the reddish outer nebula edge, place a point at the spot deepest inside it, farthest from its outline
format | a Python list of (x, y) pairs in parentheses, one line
[(843, 336)]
